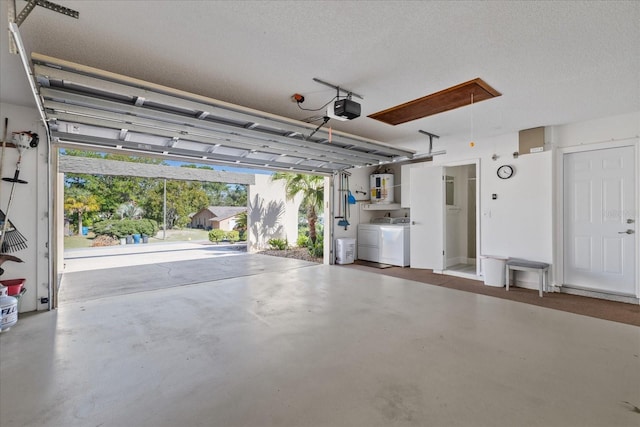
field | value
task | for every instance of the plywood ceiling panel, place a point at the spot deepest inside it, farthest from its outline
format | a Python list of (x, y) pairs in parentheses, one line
[(473, 91)]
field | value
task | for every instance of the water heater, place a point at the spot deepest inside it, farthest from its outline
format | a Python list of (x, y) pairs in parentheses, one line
[(382, 188)]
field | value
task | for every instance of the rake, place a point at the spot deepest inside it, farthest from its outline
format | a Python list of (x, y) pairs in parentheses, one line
[(11, 239)]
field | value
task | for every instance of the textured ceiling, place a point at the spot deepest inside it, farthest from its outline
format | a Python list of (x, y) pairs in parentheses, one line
[(554, 62)]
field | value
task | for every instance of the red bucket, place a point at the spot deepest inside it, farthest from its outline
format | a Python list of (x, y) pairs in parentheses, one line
[(14, 286)]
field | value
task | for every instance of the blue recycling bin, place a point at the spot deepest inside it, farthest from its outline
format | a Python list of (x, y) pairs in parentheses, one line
[(85, 231), (136, 238)]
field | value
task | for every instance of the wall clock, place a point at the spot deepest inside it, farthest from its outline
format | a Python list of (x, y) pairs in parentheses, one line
[(505, 171)]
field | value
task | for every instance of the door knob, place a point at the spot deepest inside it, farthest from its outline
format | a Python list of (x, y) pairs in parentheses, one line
[(630, 221), (629, 231)]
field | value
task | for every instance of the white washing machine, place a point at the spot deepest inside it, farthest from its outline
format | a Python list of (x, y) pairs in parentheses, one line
[(385, 240)]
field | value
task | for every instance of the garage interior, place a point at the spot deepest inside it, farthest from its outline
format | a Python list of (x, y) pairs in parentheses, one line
[(292, 343)]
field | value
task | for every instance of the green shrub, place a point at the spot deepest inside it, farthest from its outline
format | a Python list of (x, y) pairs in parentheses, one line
[(148, 227), (316, 250), (104, 228), (216, 235), (303, 241), (278, 244), (124, 227), (233, 236)]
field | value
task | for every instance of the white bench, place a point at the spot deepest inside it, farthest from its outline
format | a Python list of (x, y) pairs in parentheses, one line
[(542, 268)]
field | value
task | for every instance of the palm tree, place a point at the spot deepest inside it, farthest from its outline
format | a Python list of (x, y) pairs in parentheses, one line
[(241, 223), (130, 210), (311, 187)]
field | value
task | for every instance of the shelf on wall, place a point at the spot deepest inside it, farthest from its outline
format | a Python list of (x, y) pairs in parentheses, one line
[(381, 206)]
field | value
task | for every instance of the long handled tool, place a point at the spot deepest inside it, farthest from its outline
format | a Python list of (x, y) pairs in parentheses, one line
[(15, 240), (4, 145), (344, 222), (11, 239)]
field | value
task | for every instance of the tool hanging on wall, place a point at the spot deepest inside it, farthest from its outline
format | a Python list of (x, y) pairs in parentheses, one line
[(343, 200), (5, 258), (4, 146), (340, 216), (11, 239), (352, 199)]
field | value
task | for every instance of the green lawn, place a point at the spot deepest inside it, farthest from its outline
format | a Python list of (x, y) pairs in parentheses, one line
[(76, 242), (186, 235)]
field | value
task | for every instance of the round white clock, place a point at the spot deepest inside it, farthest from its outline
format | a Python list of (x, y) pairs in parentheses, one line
[(505, 171)]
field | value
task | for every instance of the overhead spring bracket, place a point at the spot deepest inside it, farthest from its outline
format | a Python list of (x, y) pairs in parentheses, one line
[(431, 136), (31, 4)]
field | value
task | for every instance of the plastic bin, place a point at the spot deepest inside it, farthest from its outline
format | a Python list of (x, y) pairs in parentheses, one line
[(85, 231), (14, 286), (136, 238), (345, 250), (493, 270)]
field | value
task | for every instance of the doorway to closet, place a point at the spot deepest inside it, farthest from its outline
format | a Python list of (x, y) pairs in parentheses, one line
[(460, 217)]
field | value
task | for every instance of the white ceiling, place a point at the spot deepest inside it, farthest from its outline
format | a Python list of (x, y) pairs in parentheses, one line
[(554, 62)]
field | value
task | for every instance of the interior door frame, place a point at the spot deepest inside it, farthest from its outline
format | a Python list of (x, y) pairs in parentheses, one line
[(475, 162), (558, 256)]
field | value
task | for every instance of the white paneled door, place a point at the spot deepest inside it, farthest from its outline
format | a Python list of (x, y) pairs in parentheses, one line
[(427, 218), (600, 220)]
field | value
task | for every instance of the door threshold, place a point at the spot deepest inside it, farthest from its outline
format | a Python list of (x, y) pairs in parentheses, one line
[(461, 274), (575, 290)]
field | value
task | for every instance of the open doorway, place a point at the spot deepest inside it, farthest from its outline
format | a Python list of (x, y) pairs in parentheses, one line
[(460, 217)]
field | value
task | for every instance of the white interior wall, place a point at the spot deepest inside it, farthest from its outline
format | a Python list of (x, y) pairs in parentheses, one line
[(30, 207), (606, 129), (519, 222)]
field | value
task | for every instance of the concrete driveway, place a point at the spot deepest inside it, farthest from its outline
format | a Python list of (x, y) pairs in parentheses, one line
[(118, 270)]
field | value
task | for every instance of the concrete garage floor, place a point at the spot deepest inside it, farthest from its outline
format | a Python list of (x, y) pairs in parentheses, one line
[(316, 345)]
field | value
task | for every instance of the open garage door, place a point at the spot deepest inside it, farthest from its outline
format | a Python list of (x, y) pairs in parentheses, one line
[(89, 107)]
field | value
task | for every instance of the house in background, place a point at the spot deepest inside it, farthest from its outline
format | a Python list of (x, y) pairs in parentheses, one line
[(216, 217)]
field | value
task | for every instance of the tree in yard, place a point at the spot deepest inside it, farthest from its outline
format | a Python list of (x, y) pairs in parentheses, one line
[(311, 187), (130, 210), (79, 201), (241, 222), (183, 198), (221, 194)]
